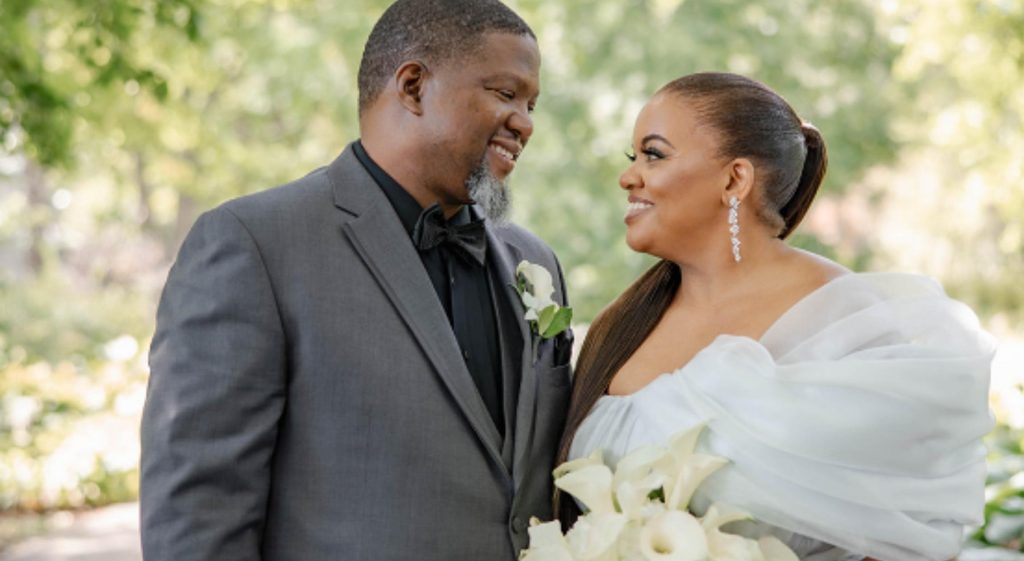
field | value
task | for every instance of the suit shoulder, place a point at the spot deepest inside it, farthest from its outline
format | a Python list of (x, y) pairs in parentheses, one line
[(293, 199)]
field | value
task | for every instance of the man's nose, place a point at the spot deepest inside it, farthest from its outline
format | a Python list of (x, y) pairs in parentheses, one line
[(521, 123)]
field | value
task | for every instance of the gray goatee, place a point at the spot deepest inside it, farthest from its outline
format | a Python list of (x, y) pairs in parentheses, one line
[(489, 193)]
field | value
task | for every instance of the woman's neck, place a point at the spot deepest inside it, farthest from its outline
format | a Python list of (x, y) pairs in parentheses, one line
[(715, 278)]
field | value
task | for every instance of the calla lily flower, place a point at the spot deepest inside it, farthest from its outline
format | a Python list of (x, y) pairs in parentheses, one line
[(595, 536), (635, 479), (590, 485), (774, 550), (546, 543), (638, 464), (596, 458), (682, 444), (692, 472), (728, 547), (545, 534), (673, 536), (633, 496), (684, 469), (719, 515)]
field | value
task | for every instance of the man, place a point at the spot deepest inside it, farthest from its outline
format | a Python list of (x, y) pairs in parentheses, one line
[(341, 368)]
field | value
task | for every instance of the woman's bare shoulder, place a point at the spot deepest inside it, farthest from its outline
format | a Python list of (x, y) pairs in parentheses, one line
[(815, 269)]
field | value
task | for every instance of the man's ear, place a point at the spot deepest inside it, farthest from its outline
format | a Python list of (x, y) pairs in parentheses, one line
[(410, 81), (741, 180)]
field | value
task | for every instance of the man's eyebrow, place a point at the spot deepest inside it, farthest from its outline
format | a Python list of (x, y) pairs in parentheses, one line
[(519, 81)]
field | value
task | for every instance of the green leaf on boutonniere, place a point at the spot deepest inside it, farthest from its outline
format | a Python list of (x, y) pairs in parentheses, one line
[(553, 320)]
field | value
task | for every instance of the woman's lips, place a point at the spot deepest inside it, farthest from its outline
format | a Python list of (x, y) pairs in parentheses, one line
[(636, 208)]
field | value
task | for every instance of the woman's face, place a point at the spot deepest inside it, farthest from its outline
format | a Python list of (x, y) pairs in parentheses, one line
[(675, 182)]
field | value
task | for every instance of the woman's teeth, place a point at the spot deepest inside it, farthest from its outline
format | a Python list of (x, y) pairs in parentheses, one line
[(637, 207)]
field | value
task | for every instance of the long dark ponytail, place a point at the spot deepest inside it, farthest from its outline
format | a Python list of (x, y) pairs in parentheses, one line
[(813, 173)]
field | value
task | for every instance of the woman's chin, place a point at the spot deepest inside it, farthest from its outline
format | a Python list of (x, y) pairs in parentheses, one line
[(638, 243)]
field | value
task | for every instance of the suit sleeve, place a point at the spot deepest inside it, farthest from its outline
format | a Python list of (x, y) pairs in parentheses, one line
[(216, 393)]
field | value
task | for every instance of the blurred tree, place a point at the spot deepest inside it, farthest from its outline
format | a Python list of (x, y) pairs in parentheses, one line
[(958, 182), (55, 54)]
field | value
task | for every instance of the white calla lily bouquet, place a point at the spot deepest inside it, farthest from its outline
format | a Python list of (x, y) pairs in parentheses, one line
[(639, 512)]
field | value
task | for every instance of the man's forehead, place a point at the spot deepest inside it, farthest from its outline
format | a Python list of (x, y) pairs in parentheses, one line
[(518, 47)]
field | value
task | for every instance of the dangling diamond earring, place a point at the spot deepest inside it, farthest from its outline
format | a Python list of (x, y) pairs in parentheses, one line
[(734, 227)]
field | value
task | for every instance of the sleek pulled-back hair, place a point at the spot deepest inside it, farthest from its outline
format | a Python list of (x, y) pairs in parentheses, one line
[(434, 31), (753, 122)]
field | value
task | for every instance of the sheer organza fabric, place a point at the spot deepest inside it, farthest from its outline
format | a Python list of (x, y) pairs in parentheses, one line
[(853, 425)]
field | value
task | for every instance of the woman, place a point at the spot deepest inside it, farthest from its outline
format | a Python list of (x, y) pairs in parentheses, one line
[(851, 406)]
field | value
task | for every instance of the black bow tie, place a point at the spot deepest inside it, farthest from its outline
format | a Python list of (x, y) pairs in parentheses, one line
[(432, 230)]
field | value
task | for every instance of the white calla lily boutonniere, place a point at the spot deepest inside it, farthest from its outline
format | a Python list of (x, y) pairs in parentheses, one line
[(535, 287)]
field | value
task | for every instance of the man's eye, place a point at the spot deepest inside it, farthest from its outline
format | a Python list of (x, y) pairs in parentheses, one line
[(507, 94)]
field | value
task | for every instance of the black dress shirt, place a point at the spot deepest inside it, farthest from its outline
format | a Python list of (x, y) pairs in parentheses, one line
[(463, 287)]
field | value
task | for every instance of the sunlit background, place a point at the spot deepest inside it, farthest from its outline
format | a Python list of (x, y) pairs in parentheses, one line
[(122, 120)]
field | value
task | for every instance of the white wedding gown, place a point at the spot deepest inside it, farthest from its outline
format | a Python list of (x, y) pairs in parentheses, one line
[(853, 426)]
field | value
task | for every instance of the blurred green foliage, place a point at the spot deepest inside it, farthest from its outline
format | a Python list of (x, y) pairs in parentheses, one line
[(1004, 509), (68, 437), (121, 120), (50, 52)]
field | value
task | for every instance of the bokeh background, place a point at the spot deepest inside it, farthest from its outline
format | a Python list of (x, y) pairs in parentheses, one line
[(122, 120)]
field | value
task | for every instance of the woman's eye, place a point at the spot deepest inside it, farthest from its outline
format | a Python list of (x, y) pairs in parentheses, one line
[(652, 154), (631, 156), (507, 94)]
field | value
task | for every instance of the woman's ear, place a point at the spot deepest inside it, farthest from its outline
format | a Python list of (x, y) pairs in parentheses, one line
[(410, 82), (741, 180)]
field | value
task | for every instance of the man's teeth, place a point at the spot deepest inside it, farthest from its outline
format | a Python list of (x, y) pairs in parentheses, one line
[(503, 152), (638, 206)]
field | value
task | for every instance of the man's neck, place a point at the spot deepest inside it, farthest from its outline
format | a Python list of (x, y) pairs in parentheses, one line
[(406, 169)]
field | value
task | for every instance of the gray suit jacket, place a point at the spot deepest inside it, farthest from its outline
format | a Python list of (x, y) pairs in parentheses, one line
[(308, 400)]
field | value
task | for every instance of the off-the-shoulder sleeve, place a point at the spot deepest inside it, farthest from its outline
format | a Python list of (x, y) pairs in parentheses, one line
[(856, 420)]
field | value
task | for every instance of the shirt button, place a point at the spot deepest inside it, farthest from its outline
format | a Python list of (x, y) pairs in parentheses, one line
[(465, 354), (518, 525), (451, 281)]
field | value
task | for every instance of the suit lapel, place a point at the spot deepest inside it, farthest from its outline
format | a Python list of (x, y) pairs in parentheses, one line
[(506, 258), (385, 247)]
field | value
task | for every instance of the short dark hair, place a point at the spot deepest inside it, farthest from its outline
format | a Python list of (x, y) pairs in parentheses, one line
[(435, 31), (755, 122)]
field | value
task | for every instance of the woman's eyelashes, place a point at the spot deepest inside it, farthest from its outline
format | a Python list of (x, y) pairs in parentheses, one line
[(650, 154)]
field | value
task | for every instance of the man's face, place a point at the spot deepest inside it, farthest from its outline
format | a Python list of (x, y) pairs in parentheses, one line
[(478, 121)]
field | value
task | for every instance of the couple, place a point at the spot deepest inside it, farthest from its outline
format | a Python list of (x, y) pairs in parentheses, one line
[(341, 368)]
